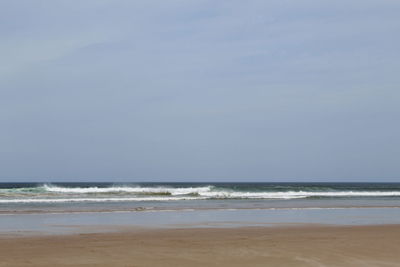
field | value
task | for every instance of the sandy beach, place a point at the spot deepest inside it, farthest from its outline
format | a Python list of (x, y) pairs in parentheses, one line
[(308, 245)]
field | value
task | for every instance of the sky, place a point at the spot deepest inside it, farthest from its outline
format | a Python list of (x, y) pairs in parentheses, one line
[(182, 90)]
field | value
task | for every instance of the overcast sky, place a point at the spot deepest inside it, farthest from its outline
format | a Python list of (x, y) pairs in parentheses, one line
[(181, 90)]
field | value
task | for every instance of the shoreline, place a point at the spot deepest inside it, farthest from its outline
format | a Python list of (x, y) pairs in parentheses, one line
[(297, 245), (92, 222), (157, 209)]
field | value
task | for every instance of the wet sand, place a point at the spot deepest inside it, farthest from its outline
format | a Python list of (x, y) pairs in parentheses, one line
[(251, 246)]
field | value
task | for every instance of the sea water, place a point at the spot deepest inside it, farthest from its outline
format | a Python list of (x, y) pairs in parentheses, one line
[(53, 206), (44, 197)]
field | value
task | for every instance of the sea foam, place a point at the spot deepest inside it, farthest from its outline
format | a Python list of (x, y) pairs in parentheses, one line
[(49, 193)]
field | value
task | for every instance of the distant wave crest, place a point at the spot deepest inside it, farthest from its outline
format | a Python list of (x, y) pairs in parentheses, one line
[(49, 193)]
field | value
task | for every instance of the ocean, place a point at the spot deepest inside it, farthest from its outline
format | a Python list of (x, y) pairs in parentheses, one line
[(67, 197), (63, 208)]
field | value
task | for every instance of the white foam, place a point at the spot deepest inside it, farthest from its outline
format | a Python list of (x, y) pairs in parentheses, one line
[(208, 195), (114, 199), (127, 189), (304, 194), (211, 191), (58, 194)]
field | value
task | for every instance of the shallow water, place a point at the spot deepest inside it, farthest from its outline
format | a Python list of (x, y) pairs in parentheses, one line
[(92, 222)]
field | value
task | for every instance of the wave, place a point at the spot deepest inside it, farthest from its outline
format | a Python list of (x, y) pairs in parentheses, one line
[(49, 193), (213, 192), (127, 189), (66, 200)]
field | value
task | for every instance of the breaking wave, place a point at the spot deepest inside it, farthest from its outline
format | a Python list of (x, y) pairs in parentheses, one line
[(127, 189), (49, 193)]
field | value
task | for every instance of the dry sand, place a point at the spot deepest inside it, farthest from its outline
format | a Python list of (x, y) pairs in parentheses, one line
[(261, 246)]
